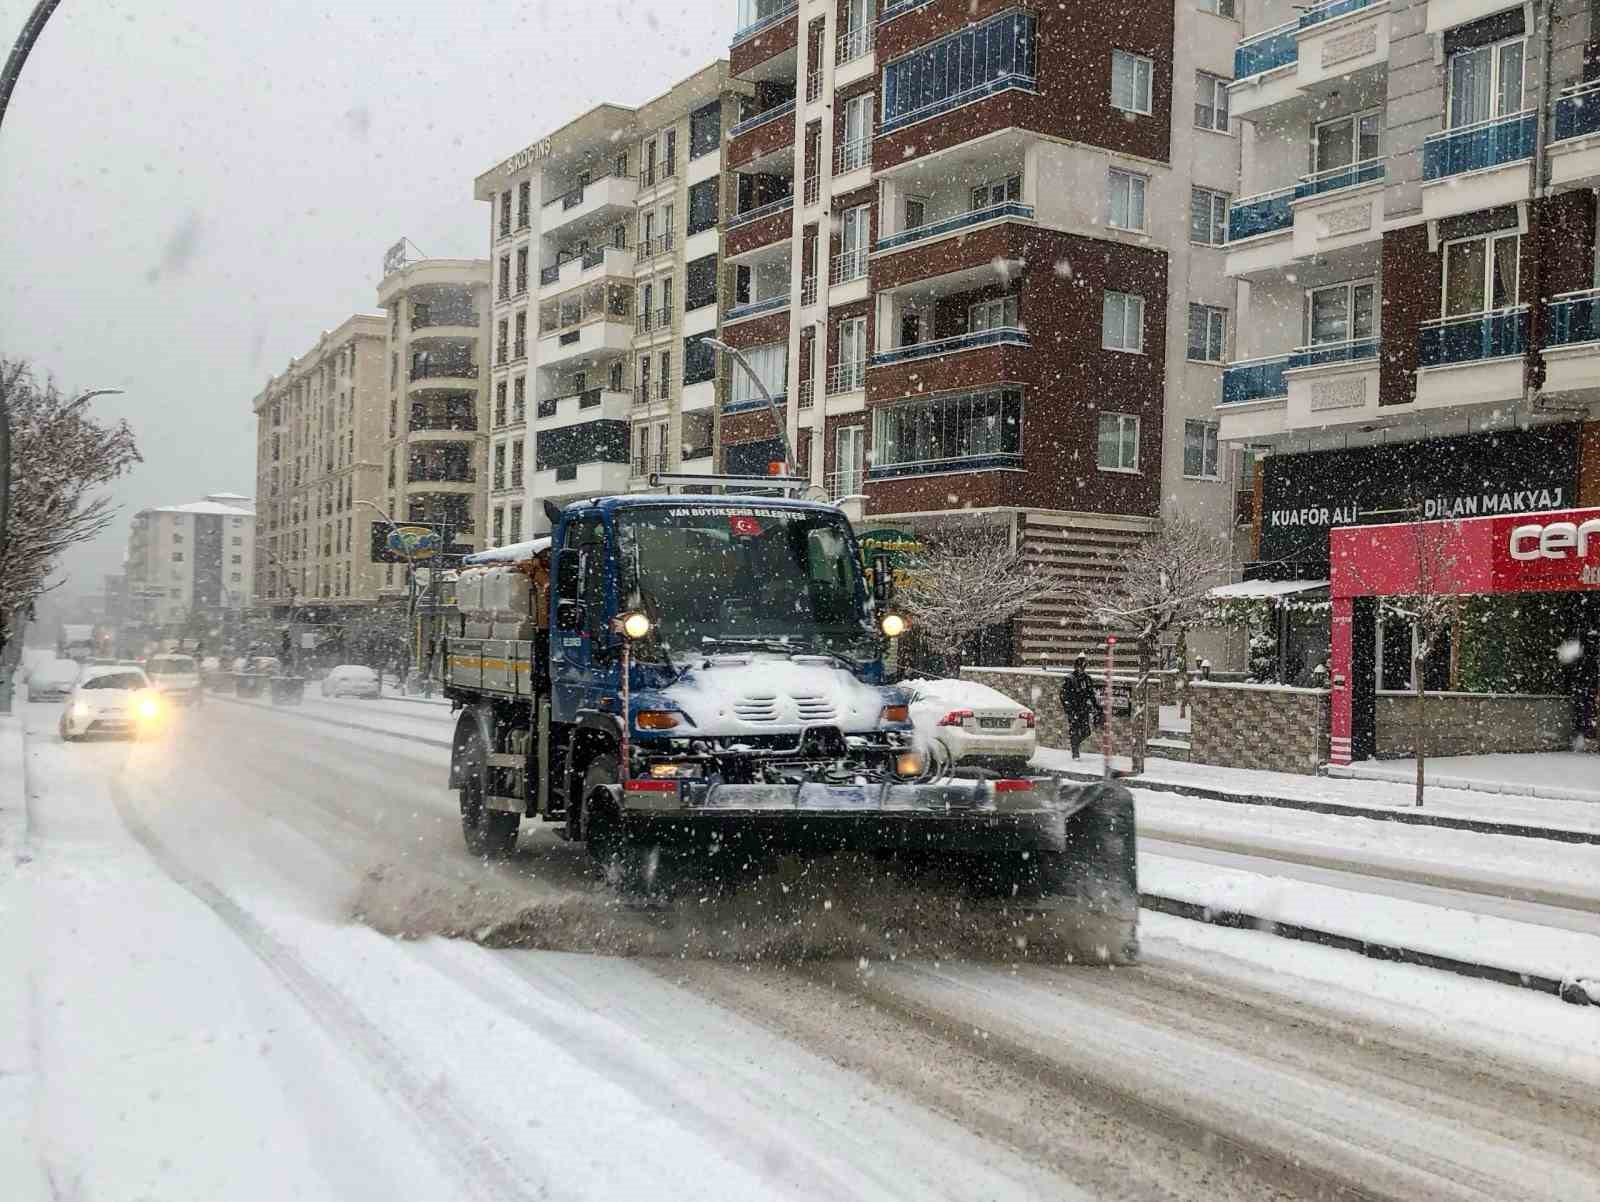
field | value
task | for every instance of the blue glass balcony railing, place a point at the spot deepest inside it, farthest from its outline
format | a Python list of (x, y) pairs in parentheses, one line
[(1365, 172), (937, 229), (1577, 112), (761, 118), (1264, 214), (754, 308), (1330, 9), (1266, 51), (1490, 143), (1007, 336), (1255, 380), (756, 21), (1573, 318), (1353, 350), (1473, 337)]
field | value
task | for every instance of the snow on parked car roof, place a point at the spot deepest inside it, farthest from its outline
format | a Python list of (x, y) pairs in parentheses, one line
[(967, 693), (511, 553)]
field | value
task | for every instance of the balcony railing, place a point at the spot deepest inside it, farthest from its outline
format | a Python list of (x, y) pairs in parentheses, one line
[(1005, 336), (466, 320), (961, 221), (852, 265), (807, 396), (853, 43), (808, 290), (1334, 178), (587, 399), (1353, 350), (741, 404), (426, 473), (766, 22), (770, 209), (1266, 51), (649, 177), (1473, 337), (1490, 143), (1573, 318), (549, 275), (813, 86), (1577, 112), (761, 118), (1255, 380), (655, 319), (444, 371), (1329, 9), (1268, 213), (754, 308), (654, 247), (851, 483), (813, 188), (642, 394), (573, 197), (955, 100), (899, 8), (852, 156), (847, 377)]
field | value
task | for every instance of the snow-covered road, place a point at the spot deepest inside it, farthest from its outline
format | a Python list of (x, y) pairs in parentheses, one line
[(202, 998)]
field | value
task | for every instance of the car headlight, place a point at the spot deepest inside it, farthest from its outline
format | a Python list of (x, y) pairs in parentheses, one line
[(148, 709), (80, 709)]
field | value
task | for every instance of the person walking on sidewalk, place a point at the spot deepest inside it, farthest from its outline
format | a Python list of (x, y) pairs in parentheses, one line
[(1079, 703)]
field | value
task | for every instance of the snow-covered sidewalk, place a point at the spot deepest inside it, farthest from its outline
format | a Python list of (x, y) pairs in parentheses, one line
[(1355, 796), (1565, 775)]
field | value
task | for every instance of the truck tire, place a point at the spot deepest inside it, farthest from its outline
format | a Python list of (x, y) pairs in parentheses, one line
[(624, 863), (491, 834)]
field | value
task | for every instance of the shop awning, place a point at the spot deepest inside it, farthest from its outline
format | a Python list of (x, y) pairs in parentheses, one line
[(1264, 590)]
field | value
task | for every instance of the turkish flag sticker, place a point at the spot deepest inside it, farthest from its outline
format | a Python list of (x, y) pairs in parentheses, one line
[(744, 527)]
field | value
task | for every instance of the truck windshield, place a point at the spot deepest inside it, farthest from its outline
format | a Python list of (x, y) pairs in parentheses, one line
[(733, 574)]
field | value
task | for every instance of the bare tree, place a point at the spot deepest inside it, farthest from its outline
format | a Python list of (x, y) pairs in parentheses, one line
[(1160, 587), (968, 578), (59, 457)]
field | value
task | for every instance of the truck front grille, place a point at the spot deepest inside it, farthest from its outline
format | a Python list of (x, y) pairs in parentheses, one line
[(756, 709), (816, 709)]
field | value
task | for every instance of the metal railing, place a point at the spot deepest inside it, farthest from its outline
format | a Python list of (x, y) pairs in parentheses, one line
[(1004, 336), (808, 290), (1573, 318), (1334, 178), (654, 319), (1471, 337), (444, 371), (849, 483), (642, 394), (1321, 354), (961, 221), (1266, 51), (806, 398), (1329, 9), (851, 265), (813, 86), (754, 308), (853, 43), (650, 248), (1577, 112), (1491, 143), (756, 121), (770, 209), (813, 189), (1268, 213), (549, 275), (899, 8), (847, 377), (778, 14), (1255, 380), (852, 156)]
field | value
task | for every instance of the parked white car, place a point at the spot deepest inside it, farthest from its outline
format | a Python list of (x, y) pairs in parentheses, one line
[(964, 723), (112, 700), (351, 680), (52, 680), (176, 677)]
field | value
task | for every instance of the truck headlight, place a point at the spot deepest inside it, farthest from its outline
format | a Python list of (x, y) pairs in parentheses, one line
[(674, 771), (893, 625), (148, 709), (910, 764)]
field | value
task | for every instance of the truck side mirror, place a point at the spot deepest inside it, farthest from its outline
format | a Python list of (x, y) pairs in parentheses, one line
[(882, 580)]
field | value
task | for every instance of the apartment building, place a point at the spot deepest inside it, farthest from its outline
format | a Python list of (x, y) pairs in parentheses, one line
[(322, 430), (605, 249), (189, 561), (1415, 251), (444, 449), (978, 250)]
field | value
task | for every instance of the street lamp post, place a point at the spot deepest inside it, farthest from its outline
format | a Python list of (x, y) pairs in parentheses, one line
[(772, 406), (411, 573), (288, 581)]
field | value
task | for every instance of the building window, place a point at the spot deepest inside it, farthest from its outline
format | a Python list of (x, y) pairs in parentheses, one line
[(500, 403), (1347, 141), (997, 192), (997, 314), (770, 364), (1211, 102), (1127, 200), (1217, 8), (519, 399), (916, 212), (1208, 217), (1480, 274), (1200, 450), (499, 527), (516, 518), (1485, 82), (1119, 443), (502, 337), (524, 196), (1123, 322), (705, 130), (976, 62), (700, 283), (520, 346), (522, 269), (499, 465), (1130, 82), (505, 279), (516, 464), (177, 557), (924, 434), (1208, 334), (699, 361), (704, 205), (505, 214), (1341, 313)]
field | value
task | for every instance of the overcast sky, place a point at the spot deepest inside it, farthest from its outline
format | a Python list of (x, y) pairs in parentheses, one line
[(192, 191)]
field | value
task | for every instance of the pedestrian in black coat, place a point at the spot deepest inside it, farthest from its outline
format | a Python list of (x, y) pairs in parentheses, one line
[(1080, 704)]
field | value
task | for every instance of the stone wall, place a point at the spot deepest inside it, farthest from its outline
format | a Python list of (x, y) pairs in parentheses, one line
[(1267, 727), (1040, 690), (1473, 724)]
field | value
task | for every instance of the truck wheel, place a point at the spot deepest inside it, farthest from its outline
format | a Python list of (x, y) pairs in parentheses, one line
[(491, 834), (624, 863)]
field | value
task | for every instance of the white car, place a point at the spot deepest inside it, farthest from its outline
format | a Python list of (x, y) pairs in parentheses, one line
[(351, 680), (964, 723), (176, 677), (112, 700), (52, 680)]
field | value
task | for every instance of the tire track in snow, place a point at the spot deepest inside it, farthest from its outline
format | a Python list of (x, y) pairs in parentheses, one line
[(449, 1133)]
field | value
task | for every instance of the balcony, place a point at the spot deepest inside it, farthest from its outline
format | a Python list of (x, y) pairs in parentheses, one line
[(854, 44), (654, 321), (847, 377), (758, 16), (747, 404), (592, 264), (1475, 359), (1574, 148), (1260, 238), (648, 465), (1270, 50), (899, 8), (762, 118), (813, 189), (452, 370), (1325, 48), (573, 407), (849, 483), (762, 226), (1005, 336), (1010, 211), (1477, 166), (445, 323), (654, 248), (756, 308), (602, 199), (1251, 380), (851, 265), (851, 156), (1332, 383), (1572, 334), (1337, 210), (663, 171), (651, 391), (808, 290), (596, 337), (1335, 178), (751, 216), (806, 398)]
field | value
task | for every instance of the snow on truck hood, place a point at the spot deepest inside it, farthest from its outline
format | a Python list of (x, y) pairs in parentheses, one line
[(758, 694)]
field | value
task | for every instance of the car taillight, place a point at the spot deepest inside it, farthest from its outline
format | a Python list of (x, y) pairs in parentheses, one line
[(955, 717), (1028, 719)]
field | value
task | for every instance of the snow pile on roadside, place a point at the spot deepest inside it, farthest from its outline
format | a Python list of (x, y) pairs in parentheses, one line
[(13, 795)]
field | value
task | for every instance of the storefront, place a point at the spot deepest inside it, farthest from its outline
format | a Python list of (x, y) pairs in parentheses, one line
[(1547, 555)]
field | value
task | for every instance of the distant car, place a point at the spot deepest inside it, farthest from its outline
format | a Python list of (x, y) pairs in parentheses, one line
[(964, 723), (112, 700), (351, 680), (52, 680), (177, 677)]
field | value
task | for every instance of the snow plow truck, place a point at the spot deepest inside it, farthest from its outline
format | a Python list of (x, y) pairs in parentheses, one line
[(704, 674)]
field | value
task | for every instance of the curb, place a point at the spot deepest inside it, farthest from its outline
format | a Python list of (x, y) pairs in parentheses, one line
[(1555, 834), (295, 712), (1465, 784), (1573, 992)]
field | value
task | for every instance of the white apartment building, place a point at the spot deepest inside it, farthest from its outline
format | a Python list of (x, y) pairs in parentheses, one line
[(190, 560)]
